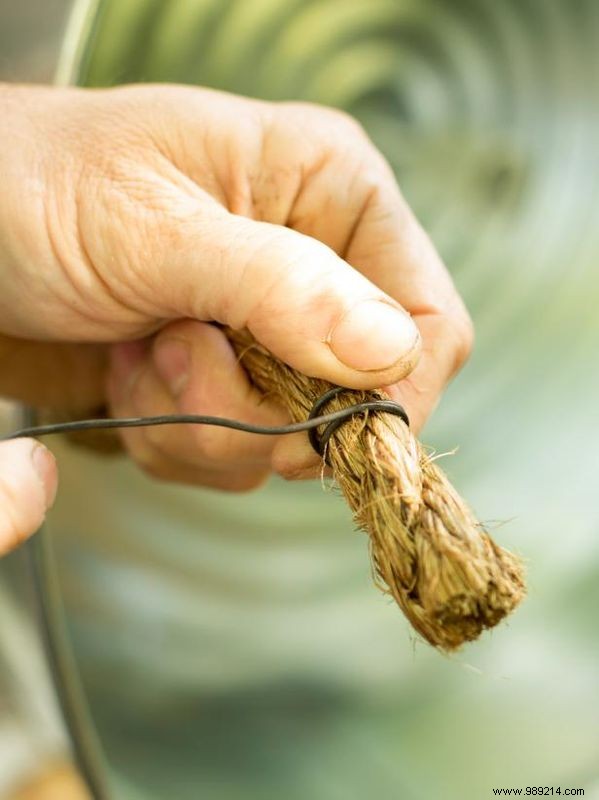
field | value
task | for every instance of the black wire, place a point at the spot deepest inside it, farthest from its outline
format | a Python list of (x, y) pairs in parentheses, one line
[(86, 750), (319, 442), (222, 422)]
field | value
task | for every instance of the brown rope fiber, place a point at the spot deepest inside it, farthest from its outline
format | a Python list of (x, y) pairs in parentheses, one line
[(428, 551)]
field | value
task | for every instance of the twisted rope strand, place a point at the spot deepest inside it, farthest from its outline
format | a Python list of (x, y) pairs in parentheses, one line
[(428, 550)]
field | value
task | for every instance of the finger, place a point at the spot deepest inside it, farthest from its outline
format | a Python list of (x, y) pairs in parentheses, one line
[(217, 386), (298, 298), (295, 459), (393, 250), (198, 364), (352, 203), (191, 368), (157, 465), (420, 392), (129, 366), (235, 481), (350, 200), (28, 481)]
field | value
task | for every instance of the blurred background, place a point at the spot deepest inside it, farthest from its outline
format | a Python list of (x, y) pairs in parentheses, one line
[(234, 647)]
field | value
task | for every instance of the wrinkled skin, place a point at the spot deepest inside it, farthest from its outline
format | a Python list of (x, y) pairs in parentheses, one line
[(133, 219)]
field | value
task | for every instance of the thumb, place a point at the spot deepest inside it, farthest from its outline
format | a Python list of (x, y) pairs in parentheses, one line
[(28, 481), (299, 299)]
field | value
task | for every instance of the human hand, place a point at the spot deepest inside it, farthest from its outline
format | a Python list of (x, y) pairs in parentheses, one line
[(27, 488), (145, 213)]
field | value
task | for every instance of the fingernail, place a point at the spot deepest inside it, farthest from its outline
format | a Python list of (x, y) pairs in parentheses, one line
[(44, 464), (373, 336), (173, 362)]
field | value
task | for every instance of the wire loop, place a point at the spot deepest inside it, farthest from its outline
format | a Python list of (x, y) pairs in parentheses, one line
[(320, 441), (332, 420)]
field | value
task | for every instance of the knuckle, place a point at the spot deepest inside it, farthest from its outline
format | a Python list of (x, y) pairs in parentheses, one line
[(330, 122), (342, 121)]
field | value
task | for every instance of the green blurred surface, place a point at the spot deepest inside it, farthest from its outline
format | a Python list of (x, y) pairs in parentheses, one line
[(30, 36), (233, 647)]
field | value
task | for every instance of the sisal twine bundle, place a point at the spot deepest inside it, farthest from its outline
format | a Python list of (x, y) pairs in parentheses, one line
[(428, 551)]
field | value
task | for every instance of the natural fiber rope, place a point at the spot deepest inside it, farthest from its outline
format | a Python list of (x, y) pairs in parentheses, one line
[(428, 551)]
